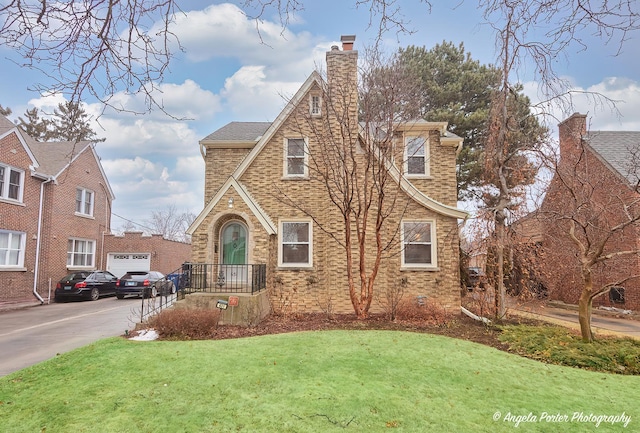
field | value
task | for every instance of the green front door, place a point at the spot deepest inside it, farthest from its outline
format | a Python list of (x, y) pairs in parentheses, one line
[(234, 254)]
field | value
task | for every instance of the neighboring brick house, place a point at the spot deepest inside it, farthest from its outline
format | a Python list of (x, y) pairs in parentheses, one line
[(255, 170), (55, 207), (55, 217), (598, 174)]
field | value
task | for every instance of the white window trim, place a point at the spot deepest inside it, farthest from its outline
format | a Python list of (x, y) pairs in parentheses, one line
[(305, 174), (93, 254), (311, 106), (427, 157), (84, 200), (21, 251), (280, 233), (4, 193), (434, 246)]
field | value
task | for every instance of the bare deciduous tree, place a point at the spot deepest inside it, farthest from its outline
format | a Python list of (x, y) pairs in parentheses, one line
[(597, 212), (92, 48), (170, 223)]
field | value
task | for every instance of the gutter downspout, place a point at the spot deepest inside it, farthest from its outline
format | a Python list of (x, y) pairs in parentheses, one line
[(37, 267)]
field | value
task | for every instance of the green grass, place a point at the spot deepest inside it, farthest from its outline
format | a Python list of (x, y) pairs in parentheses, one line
[(558, 345), (359, 381)]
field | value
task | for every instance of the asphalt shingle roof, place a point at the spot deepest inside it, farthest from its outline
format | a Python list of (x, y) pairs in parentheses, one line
[(239, 131), (54, 156), (620, 149)]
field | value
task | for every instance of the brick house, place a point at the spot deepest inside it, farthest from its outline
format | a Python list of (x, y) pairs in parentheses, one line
[(596, 185), (55, 217), (258, 180), (55, 206)]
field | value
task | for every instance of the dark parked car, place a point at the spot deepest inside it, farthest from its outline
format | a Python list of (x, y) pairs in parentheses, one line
[(477, 278), (144, 283), (86, 285)]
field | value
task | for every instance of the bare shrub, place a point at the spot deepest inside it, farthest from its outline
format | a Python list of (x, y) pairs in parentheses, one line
[(391, 297), (422, 310), (186, 324), (280, 300)]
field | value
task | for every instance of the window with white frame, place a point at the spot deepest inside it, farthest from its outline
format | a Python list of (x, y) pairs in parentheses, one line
[(80, 253), (418, 244), (296, 240), (11, 183), (84, 201), (295, 158), (416, 159), (12, 246), (315, 105)]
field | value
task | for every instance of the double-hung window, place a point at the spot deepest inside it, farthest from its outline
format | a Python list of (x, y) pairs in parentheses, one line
[(296, 158), (84, 201), (416, 159), (296, 240), (12, 246), (80, 253), (418, 244), (11, 183)]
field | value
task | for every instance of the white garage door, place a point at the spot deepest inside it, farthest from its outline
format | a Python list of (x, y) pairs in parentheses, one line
[(121, 263)]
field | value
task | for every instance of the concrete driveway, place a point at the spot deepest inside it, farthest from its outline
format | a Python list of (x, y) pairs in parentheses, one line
[(31, 335), (602, 322)]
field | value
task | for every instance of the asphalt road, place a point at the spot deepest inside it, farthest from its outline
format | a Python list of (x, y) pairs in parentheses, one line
[(32, 335)]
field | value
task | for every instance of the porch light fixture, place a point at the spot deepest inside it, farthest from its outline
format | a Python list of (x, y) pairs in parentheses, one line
[(230, 203)]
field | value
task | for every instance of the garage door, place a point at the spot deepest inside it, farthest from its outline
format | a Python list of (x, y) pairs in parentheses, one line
[(121, 263)]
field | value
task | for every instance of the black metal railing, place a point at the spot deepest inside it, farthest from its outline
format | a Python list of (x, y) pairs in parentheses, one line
[(163, 294), (222, 278)]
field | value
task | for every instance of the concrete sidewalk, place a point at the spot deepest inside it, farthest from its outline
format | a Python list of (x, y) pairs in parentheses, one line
[(602, 322)]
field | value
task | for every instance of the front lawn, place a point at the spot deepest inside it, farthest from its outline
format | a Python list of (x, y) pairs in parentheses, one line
[(324, 381)]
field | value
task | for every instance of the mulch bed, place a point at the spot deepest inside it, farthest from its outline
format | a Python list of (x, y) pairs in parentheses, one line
[(458, 326)]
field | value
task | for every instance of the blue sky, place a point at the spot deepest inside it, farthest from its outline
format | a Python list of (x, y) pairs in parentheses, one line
[(226, 73)]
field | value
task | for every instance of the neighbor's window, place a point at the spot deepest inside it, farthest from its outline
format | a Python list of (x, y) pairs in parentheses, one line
[(11, 183), (416, 156), (12, 245), (314, 107), (295, 243), (295, 157), (84, 201), (80, 253), (418, 244)]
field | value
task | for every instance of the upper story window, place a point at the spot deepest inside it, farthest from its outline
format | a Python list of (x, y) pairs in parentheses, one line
[(296, 158), (12, 246), (416, 160), (84, 201), (80, 253), (11, 183), (418, 244), (296, 244), (315, 105)]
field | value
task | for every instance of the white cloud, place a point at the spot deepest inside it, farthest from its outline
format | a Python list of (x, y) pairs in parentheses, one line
[(611, 104)]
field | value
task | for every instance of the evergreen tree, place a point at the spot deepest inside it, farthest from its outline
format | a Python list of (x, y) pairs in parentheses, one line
[(456, 89), (71, 123), (5, 111), (34, 125)]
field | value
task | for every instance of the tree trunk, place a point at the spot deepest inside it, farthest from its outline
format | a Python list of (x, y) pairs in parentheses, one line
[(499, 291), (584, 307)]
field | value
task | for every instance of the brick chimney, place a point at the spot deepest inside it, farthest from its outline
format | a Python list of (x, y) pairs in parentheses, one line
[(342, 80), (571, 132)]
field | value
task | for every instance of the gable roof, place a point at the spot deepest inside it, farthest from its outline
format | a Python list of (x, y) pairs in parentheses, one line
[(266, 222), (239, 131), (620, 150)]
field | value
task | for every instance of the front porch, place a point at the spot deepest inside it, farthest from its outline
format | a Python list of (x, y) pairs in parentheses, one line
[(222, 278)]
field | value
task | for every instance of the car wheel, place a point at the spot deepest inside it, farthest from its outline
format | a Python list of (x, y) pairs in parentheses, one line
[(154, 292), (173, 288), (119, 296), (94, 295)]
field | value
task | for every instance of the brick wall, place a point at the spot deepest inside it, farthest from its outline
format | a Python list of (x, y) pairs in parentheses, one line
[(585, 182), (23, 217)]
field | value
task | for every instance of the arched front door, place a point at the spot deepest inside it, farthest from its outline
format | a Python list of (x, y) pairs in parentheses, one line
[(234, 255)]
